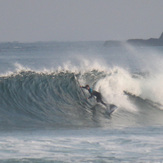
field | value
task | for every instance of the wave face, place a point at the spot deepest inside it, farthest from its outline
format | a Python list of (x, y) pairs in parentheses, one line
[(54, 99), (29, 98)]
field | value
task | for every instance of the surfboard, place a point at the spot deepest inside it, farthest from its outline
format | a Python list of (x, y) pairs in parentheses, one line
[(111, 108), (103, 109)]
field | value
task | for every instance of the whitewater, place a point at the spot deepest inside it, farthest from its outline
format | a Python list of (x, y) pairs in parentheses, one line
[(46, 117)]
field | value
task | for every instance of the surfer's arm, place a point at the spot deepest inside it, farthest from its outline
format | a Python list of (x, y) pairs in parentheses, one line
[(83, 87), (91, 93)]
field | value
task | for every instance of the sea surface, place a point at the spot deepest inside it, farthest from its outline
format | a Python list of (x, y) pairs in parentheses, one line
[(45, 116)]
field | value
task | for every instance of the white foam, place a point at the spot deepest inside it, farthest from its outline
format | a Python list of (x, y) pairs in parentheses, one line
[(113, 86)]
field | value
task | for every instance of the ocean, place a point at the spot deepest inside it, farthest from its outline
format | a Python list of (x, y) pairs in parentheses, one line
[(45, 116)]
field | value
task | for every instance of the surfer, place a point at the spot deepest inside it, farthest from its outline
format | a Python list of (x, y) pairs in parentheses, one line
[(94, 93)]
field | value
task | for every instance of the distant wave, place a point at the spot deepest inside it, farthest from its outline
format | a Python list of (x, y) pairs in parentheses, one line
[(54, 99)]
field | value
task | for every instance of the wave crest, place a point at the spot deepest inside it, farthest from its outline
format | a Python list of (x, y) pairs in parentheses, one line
[(31, 98)]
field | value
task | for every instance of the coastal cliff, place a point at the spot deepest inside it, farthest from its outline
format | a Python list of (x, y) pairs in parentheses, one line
[(148, 42), (137, 42)]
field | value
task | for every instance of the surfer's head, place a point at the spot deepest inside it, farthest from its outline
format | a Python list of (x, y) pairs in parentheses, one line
[(87, 86)]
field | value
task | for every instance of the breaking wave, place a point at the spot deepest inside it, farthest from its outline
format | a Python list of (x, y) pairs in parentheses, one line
[(41, 99)]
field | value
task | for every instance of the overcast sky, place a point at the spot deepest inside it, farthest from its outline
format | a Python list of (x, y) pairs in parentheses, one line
[(79, 20)]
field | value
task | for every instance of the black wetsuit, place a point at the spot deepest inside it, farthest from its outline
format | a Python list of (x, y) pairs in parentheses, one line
[(95, 93)]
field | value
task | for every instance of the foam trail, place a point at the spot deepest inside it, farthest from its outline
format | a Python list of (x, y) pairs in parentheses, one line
[(151, 66)]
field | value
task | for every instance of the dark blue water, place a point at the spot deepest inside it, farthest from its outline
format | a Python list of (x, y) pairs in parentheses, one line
[(45, 117)]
